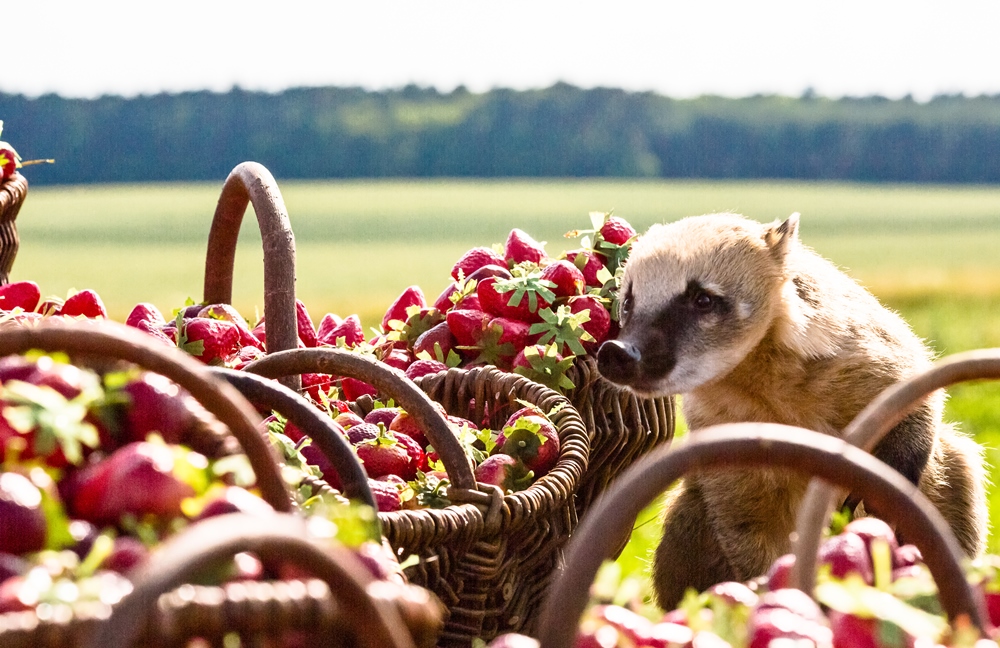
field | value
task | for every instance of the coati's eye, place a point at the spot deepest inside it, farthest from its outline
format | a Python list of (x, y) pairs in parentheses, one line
[(625, 305), (703, 301)]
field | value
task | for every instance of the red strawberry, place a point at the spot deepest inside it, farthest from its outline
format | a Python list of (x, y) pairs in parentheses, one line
[(211, 341), (159, 332), (127, 553), (499, 271), (846, 553), (599, 324), (568, 279), (871, 529), (20, 294), (136, 479), (474, 259), (383, 415), (469, 302), (234, 499), (327, 324), (304, 325), (314, 384), (589, 264), (468, 326), (362, 432), (497, 303), (353, 388), (398, 358), (260, 332), (412, 296), (229, 314), (616, 230), (347, 419), (530, 437), (86, 303), (443, 302), (406, 424), (387, 496), (521, 247), (385, 455), (22, 523), (504, 471), (424, 367), (157, 404), (412, 447), (779, 575), (437, 342), (145, 312), (349, 330), (313, 455), (515, 332), (8, 160)]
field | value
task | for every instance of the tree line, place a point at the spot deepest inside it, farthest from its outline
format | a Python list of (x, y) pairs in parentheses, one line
[(560, 131)]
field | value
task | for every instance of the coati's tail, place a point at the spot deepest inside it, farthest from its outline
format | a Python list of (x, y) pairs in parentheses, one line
[(955, 481)]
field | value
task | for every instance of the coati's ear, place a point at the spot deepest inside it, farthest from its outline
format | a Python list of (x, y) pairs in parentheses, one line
[(780, 238)]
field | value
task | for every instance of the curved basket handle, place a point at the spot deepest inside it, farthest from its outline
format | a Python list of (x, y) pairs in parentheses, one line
[(13, 191), (112, 340), (251, 183), (747, 445), (270, 395), (278, 537), (866, 430), (387, 380)]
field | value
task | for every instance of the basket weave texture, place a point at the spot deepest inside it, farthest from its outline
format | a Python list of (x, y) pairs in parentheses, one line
[(622, 427), (490, 557), (13, 191)]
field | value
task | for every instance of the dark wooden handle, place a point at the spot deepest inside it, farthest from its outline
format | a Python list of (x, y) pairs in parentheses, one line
[(251, 183), (108, 339), (389, 381), (319, 427), (13, 191), (376, 622), (748, 445), (866, 430)]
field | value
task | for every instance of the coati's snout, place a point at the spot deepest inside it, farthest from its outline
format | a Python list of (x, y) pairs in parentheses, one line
[(623, 363)]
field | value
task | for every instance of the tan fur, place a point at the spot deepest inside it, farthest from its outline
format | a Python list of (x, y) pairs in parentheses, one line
[(789, 339)]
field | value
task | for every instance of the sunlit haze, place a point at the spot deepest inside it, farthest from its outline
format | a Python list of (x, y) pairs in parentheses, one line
[(681, 49)]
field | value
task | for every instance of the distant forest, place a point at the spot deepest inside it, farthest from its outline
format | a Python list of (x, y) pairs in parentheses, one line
[(561, 131)]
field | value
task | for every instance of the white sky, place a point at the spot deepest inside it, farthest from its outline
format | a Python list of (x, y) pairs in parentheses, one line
[(86, 48)]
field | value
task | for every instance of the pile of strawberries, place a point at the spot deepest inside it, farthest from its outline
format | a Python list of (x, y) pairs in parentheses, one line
[(871, 592), (95, 475), (510, 306)]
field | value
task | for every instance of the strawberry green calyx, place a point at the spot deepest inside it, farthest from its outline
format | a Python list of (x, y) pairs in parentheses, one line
[(531, 285), (563, 328), (54, 420), (430, 490), (544, 365)]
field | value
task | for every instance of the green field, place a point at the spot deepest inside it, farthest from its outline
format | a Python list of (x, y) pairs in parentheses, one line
[(931, 252)]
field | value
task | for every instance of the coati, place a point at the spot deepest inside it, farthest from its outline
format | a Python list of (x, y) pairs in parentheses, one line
[(748, 324)]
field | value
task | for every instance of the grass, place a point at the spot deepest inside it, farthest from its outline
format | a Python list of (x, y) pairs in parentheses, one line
[(930, 252)]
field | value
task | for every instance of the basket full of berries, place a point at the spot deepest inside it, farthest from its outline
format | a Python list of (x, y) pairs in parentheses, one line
[(873, 591), (99, 426), (478, 468)]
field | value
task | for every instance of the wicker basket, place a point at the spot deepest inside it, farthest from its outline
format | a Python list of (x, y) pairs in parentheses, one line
[(868, 428), (13, 191), (747, 445), (343, 607), (489, 557), (623, 427), (212, 610)]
